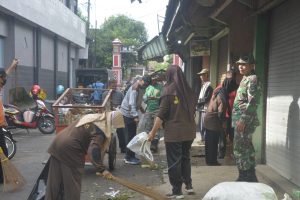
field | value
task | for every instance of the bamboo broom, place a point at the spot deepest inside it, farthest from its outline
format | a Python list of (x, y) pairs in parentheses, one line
[(137, 187), (11, 176)]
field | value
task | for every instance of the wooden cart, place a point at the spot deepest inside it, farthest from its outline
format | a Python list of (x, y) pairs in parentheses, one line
[(74, 103)]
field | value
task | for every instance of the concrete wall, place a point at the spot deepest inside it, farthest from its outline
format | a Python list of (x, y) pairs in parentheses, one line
[(46, 81), (46, 57), (24, 44), (3, 26), (62, 56), (47, 51)]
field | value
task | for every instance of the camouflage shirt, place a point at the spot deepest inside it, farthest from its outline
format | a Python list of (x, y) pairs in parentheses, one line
[(246, 100)]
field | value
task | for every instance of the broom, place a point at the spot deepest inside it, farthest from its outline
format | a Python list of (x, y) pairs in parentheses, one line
[(11, 176), (136, 187)]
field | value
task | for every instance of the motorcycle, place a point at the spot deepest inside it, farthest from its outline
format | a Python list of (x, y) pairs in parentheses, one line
[(38, 117), (10, 143)]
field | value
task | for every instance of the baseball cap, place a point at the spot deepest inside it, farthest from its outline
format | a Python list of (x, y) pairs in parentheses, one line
[(246, 59), (203, 71)]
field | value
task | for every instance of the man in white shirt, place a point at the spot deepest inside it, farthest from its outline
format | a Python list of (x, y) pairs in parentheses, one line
[(204, 97)]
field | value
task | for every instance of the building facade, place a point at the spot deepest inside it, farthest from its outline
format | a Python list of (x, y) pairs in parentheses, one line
[(269, 30), (46, 36)]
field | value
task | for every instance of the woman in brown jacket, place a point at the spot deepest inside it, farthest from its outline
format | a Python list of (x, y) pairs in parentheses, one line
[(215, 119), (176, 114)]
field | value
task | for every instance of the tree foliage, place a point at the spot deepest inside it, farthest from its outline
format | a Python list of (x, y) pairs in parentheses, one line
[(130, 32), (161, 65)]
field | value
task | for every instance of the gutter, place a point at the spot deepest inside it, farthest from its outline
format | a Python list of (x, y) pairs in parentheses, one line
[(267, 7), (219, 10), (172, 21)]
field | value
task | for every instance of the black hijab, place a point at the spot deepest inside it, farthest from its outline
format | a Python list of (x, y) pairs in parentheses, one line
[(228, 85), (177, 85)]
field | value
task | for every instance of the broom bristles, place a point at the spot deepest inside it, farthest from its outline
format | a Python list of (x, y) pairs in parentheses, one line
[(137, 187), (12, 178)]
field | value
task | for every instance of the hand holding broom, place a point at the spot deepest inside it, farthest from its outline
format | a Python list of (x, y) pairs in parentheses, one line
[(11, 176), (134, 186)]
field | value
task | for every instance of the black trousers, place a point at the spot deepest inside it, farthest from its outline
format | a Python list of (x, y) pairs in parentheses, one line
[(3, 146), (211, 146), (222, 143), (121, 137), (130, 132), (179, 164)]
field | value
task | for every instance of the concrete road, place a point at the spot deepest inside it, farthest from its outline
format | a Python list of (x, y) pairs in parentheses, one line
[(31, 154)]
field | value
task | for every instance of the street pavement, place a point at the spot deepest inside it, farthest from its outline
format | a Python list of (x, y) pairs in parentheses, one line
[(31, 154)]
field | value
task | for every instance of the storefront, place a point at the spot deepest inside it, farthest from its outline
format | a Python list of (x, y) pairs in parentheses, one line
[(282, 112)]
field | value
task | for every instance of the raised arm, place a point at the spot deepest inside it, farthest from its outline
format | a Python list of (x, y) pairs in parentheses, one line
[(12, 66)]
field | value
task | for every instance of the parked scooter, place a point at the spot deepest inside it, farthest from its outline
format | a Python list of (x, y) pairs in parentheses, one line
[(39, 117), (10, 143)]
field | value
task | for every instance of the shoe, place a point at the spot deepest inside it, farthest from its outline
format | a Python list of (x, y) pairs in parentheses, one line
[(154, 146), (123, 150), (174, 196), (214, 164), (221, 155), (189, 189), (242, 176), (132, 161)]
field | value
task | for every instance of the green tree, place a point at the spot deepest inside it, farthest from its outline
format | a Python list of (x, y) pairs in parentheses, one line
[(130, 32), (161, 65)]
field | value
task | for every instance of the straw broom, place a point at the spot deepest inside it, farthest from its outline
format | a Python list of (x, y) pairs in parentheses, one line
[(11, 176), (136, 187)]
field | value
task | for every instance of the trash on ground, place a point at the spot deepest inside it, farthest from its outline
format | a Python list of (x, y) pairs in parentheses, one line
[(241, 191)]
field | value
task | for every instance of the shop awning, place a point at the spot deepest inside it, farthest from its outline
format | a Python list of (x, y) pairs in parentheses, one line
[(155, 49)]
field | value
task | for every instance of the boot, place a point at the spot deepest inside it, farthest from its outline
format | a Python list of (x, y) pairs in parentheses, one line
[(154, 145), (242, 176), (251, 176)]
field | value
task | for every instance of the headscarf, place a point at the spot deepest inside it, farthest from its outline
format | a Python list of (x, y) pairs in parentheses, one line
[(105, 122), (177, 85), (228, 85)]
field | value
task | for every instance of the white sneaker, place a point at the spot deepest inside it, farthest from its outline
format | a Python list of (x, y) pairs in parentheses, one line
[(174, 196)]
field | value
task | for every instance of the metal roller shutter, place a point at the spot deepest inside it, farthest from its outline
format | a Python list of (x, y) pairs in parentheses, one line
[(282, 120)]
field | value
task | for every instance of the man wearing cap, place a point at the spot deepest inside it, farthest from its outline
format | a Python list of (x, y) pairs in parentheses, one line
[(129, 109), (203, 100), (244, 119), (151, 98)]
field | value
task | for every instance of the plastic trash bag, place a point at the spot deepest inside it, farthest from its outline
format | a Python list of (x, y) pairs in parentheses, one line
[(141, 146), (240, 191)]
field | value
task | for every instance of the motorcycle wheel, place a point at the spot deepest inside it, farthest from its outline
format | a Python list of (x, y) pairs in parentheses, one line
[(46, 125), (11, 147), (112, 153)]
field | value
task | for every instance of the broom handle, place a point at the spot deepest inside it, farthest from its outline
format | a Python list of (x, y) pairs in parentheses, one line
[(136, 187), (3, 158)]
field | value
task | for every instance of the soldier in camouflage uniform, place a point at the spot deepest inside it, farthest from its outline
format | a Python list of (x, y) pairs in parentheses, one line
[(244, 119)]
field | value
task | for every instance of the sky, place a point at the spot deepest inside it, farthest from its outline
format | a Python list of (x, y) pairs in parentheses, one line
[(146, 12)]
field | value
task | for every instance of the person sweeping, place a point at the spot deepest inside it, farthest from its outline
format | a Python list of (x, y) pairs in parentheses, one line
[(91, 134)]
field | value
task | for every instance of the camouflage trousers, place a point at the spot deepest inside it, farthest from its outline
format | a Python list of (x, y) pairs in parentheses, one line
[(243, 149), (146, 124)]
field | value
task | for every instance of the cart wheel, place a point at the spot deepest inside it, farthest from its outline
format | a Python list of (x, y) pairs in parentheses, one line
[(112, 153)]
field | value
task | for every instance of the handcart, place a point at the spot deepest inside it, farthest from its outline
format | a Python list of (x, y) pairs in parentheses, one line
[(76, 102)]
